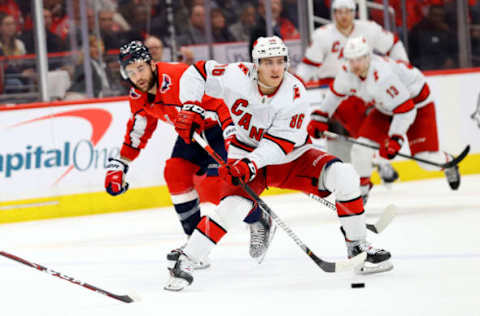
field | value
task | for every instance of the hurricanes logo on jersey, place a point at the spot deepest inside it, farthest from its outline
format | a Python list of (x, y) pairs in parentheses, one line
[(166, 83), (296, 93)]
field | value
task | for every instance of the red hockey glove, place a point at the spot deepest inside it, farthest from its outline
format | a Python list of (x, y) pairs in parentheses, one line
[(244, 169), (189, 120), (318, 123), (391, 146), (229, 135), (115, 179)]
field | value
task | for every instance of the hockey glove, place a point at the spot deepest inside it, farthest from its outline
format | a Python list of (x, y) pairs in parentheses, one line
[(229, 135), (115, 179), (391, 146), (189, 120), (244, 169), (318, 124)]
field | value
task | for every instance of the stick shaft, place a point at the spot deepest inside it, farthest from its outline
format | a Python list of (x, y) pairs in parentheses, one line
[(123, 298), (354, 141)]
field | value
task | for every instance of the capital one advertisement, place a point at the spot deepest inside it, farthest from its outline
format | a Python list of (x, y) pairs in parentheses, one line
[(50, 151)]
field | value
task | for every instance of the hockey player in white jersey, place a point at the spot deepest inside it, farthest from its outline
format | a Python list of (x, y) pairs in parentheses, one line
[(403, 109), (323, 59), (269, 147)]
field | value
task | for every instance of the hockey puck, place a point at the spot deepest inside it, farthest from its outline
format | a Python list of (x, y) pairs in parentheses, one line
[(357, 285)]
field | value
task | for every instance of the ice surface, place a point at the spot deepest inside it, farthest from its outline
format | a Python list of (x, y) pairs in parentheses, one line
[(434, 240)]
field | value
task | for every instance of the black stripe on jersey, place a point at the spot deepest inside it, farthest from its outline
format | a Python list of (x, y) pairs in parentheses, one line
[(351, 200), (236, 143), (279, 142), (168, 104), (200, 72), (128, 145)]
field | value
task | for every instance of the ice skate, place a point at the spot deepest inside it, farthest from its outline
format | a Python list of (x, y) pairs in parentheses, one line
[(181, 274), (200, 264), (261, 235), (377, 259), (387, 173), (453, 176)]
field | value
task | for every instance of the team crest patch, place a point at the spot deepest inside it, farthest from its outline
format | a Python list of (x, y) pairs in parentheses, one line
[(166, 83)]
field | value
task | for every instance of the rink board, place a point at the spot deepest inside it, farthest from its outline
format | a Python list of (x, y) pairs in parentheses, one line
[(52, 162)]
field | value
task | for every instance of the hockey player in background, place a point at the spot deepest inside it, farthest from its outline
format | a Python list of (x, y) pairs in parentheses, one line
[(403, 109), (155, 96), (322, 62), (270, 148)]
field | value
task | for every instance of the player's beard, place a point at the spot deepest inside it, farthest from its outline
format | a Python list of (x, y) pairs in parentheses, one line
[(151, 83)]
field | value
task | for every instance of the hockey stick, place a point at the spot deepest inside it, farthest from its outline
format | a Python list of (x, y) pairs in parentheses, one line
[(123, 298), (326, 266), (382, 223), (455, 161)]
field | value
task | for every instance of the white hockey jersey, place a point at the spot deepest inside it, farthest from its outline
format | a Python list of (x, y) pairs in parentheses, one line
[(394, 87), (324, 56), (270, 129)]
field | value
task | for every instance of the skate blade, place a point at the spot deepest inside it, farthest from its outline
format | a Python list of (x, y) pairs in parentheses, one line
[(175, 284), (201, 265), (273, 230), (371, 268)]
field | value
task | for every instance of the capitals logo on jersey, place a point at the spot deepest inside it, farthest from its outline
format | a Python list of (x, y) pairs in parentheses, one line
[(166, 83), (134, 94)]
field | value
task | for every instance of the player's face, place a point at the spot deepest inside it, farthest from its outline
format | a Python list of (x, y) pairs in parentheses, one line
[(344, 17), (271, 70), (141, 74), (359, 65)]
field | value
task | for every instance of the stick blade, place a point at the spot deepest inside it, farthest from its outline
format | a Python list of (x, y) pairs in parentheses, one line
[(125, 298), (457, 159), (350, 264), (386, 218)]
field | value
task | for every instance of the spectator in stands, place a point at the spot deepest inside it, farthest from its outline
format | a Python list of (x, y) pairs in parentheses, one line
[(241, 30), (60, 20), (230, 9), (9, 43), (54, 42), (220, 31), (415, 12), (430, 42), (475, 35), (10, 7), (110, 36), (12, 46), (281, 26), (101, 76), (195, 33), (155, 46), (290, 11)]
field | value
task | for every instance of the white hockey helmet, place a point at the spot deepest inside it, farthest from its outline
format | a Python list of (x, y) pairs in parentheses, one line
[(265, 47), (356, 47), (339, 4)]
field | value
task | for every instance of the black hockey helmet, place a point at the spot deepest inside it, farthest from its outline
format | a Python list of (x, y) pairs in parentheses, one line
[(130, 53)]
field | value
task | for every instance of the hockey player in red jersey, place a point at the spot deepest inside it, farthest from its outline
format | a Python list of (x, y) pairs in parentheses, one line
[(402, 109), (270, 148), (322, 61), (155, 96)]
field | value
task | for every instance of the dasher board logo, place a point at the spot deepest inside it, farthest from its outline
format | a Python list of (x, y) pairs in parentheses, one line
[(475, 116), (80, 155)]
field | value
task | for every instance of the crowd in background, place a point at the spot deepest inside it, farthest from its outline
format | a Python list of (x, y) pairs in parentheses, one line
[(431, 28)]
